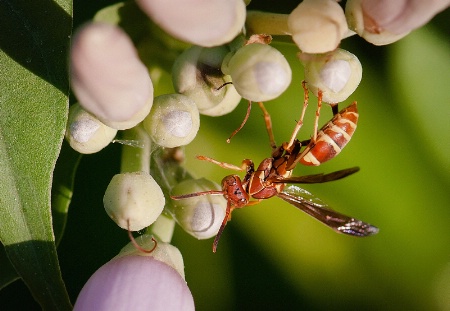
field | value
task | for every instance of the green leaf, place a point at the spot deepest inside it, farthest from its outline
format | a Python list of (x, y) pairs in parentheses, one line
[(62, 189), (34, 41), (8, 274)]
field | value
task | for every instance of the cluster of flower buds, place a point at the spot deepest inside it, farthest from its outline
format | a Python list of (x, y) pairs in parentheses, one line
[(231, 58)]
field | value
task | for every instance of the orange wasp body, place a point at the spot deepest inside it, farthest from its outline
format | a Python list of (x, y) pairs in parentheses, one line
[(271, 176)]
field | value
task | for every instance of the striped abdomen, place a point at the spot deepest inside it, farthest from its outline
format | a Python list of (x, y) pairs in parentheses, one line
[(332, 137)]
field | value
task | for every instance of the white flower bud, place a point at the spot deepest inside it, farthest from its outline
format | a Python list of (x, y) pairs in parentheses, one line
[(135, 198), (173, 121), (196, 73), (366, 27), (85, 133), (317, 26), (107, 76), (163, 252), (337, 74), (201, 22), (200, 216), (259, 72)]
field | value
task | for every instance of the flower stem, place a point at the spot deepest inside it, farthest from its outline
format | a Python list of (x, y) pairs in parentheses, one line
[(266, 23), (162, 228), (136, 158)]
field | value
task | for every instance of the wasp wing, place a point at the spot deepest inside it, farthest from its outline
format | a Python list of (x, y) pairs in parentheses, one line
[(314, 207), (316, 178)]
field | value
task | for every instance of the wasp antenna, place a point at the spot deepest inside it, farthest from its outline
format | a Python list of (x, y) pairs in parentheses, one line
[(249, 108), (136, 245), (220, 87), (222, 227), (196, 194)]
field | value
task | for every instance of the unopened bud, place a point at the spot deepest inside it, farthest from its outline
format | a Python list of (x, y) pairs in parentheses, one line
[(259, 72), (200, 216), (206, 22), (173, 121), (133, 200), (107, 76), (317, 26), (337, 74), (368, 28), (164, 252), (196, 73), (85, 133)]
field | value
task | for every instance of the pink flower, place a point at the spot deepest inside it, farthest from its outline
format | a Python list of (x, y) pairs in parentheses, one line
[(108, 77), (201, 22), (400, 16), (135, 283)]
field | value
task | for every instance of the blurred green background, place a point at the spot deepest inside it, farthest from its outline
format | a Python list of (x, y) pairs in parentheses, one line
[(272, 256)]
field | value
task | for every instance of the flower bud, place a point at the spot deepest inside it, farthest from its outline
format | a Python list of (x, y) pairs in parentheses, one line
[(259, 72), (205, 22), (382, 22), (337, 74), (85, 133), (135, 283), (200, 216), (135, 198), (196, 73), (317, 26), (173, 121), (108, 78), (164, 252), (358, 21)]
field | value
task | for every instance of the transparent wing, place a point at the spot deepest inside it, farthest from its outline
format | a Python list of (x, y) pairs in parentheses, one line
[(129, 142), (316, 178), (314, 207)]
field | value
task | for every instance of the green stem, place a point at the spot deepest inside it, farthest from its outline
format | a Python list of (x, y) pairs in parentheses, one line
[(136, 158), (162, 228), (266, 23)]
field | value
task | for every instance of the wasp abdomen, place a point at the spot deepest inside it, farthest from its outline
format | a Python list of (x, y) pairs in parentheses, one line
[(332, 137)]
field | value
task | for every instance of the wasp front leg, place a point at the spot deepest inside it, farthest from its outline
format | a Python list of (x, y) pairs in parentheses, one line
[(247, 164)]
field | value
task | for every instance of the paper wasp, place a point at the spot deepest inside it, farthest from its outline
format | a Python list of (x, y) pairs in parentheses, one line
[(271, 176)]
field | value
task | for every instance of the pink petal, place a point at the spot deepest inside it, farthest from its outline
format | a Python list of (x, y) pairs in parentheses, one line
[(135, 283)]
